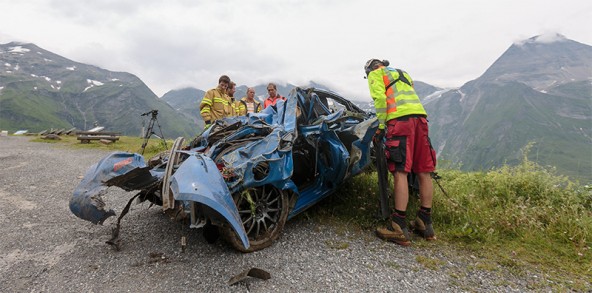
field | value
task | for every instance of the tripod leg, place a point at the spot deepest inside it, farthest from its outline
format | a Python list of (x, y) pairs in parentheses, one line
[(161, 135), (147, 134)]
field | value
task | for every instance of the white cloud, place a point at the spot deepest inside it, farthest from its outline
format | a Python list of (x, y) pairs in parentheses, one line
[(550, 38), (179, 43), (545, 38)]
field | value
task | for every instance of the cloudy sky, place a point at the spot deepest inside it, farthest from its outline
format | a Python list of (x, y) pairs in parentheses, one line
[(179, 43)]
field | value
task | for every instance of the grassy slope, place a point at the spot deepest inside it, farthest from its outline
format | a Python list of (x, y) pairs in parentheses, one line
[(34, 105)]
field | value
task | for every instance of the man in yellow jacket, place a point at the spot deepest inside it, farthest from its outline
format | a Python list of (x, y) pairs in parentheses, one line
[(230, 92), (402, 121), (248, 104), (216, 103)]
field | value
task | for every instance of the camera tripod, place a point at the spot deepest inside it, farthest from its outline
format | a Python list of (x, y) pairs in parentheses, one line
[(150, 130)]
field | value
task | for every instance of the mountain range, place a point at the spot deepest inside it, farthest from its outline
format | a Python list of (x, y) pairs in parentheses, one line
[(40, 90), (537, 93)]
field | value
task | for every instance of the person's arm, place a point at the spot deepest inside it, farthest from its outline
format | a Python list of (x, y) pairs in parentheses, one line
[(242, 108), (378, 93), (205, 107)]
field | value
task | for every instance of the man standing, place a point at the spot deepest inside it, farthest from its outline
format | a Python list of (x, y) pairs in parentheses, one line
[(248, 104), (273, 96), (216, 104), (407, 147), (230, 92)]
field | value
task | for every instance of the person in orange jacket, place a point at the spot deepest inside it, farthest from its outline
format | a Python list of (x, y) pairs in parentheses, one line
[(273, 96)]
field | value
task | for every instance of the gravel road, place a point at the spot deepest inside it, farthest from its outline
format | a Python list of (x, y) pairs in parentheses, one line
[(45, 248)]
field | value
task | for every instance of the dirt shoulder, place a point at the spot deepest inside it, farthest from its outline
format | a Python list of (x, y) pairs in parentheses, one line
[(45, 248)]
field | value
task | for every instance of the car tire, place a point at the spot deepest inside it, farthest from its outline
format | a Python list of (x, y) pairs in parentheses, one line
[(263, 217)]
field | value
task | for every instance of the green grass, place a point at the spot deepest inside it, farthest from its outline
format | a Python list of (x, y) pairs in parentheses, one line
[(523, 218), (125, 143)]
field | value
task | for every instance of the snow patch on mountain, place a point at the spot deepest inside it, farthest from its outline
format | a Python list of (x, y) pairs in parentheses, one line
[(18, 49), (462, 95), (435, 95), (92, 84)]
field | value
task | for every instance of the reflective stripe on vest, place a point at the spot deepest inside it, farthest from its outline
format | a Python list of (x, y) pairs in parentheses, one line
[(222, 101), (391, 104), (207, 102), (401, 98)]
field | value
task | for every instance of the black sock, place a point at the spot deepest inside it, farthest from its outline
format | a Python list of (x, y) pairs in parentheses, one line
[(399, 218), (425, 214)]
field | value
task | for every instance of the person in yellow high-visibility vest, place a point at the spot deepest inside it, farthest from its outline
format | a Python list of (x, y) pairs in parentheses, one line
[(402, 121), (216, 103)]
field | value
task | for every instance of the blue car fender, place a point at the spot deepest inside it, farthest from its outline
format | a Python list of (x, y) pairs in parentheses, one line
[(199, 180)]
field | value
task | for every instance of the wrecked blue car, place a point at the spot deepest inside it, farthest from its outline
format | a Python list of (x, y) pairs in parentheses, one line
[(244, 176)]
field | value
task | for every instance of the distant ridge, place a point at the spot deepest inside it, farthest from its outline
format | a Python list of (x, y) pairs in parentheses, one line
[(537, 92), (40, 90)]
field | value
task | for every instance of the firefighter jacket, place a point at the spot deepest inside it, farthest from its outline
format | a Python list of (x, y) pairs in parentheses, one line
[(398, 100), (215, 105), (242, 106)]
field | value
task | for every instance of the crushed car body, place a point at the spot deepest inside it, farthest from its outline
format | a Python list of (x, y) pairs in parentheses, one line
[(244, 176)]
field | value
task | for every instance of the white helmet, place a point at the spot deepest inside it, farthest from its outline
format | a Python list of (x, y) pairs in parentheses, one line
[(372, 62)]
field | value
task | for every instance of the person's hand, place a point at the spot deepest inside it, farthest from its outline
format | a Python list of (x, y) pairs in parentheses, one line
[(379, 135)]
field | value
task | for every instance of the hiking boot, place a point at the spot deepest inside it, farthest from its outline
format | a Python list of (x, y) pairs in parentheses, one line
[(422, 229), (394, 233)]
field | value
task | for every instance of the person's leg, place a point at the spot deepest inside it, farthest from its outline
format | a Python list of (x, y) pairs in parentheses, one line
[(401, 199), (423, 221), (399, 163), (426, 189), (401, 191), (424, 163)]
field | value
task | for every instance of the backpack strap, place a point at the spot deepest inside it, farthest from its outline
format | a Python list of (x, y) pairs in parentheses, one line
[(401, 78)]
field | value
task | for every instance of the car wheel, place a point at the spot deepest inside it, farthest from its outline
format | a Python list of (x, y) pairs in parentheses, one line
[(263, 211)]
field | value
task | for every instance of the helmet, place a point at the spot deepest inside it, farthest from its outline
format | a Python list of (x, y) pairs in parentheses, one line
[(372, 62), (370, 65)]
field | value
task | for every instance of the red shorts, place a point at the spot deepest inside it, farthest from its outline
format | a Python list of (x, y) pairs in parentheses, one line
[(408, 147)]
